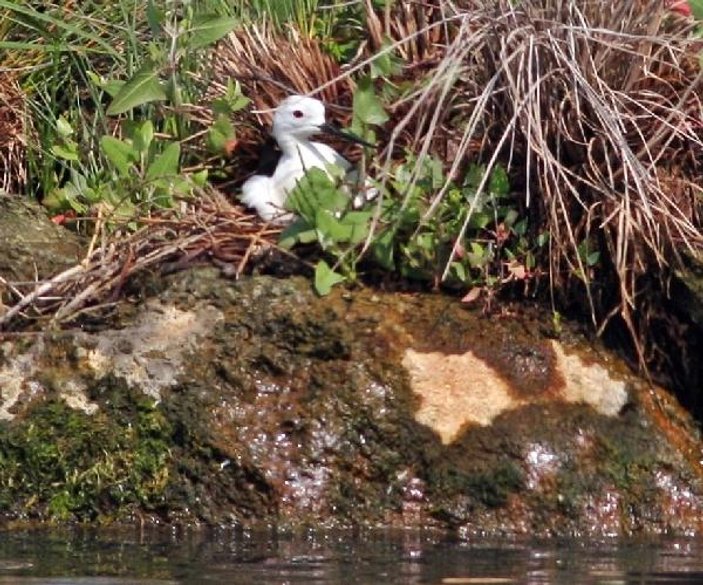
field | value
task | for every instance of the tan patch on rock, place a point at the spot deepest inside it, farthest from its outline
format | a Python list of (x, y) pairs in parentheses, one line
[(589, 383), (456, 390), (148, 355)]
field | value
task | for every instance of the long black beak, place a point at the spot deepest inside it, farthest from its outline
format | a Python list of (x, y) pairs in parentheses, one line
[(348, 136)]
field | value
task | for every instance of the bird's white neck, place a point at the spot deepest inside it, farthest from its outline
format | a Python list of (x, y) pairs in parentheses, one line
[(291, 145)]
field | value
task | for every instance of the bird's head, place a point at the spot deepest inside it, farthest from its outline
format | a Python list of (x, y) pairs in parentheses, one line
[(299, 116)]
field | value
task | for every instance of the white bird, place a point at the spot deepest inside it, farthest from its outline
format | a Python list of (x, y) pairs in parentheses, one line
[(295, 121)]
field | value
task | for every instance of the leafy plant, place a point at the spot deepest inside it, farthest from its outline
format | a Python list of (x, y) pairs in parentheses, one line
[(140, 164)]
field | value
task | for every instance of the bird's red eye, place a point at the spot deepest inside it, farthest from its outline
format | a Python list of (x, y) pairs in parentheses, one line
[(298, 113)]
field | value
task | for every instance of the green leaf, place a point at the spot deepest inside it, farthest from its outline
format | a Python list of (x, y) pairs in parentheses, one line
[(510, 218), (208, 28), (63, 127), (119, 153), (383, 250), (386, 62), (220, 135), (66, 151), (299, 231), (499, 184), (143, 88), (592, 258), (477, 255), (142, 137), (155, 17), (330, 230), (166, 164), (367, 107), (458, 271), (360, 223), (200, 178), (326, 278)]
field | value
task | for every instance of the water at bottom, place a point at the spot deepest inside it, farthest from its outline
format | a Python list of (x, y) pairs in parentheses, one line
[(108, 557)]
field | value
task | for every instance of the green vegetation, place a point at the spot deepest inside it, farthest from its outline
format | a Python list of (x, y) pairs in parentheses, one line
[(63, 464)]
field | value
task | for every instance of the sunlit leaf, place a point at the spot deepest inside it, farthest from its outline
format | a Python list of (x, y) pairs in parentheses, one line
[(63, 127), (166, 164), (143, 88), (142, 137), (208, 28), (67, 151), (119, 153), (367, 107), (220, 135), (326, 278)]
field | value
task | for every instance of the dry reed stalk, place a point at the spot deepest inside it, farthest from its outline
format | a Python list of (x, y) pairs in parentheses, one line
[(14, 129)]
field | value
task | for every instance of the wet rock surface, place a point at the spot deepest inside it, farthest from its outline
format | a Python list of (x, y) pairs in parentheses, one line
[(257, 402)]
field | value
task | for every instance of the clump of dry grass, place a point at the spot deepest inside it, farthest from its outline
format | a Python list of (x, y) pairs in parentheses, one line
[(596, 109)]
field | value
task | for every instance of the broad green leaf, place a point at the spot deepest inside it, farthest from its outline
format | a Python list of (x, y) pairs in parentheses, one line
[(220, 135), (142, 137), (66, 151), (143, 88), (367, 107), (477, 255), (208, 28), (155, 17), (479, 220), (200, 178), (298, 232), (165, 164), (63, 127), (474, 175), (330, 230), (326, 278), (458, 271), (119, 153), (510, 218), (360, 223), (383, 250), (386, 62)]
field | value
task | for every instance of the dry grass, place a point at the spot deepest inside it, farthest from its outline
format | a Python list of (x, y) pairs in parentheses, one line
[(13, 135), (596, 109)]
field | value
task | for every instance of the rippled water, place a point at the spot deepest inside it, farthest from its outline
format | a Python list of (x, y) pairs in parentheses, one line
[(111, 558)]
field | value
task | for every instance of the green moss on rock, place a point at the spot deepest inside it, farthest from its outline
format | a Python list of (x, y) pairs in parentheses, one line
[(60, 463)]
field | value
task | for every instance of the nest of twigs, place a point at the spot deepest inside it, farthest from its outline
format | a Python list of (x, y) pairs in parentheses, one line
[(205, 229)]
